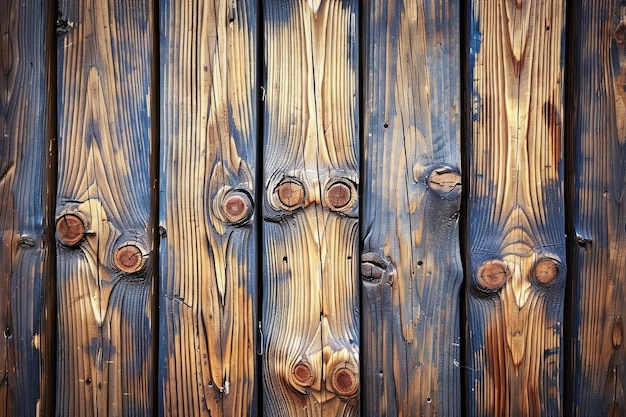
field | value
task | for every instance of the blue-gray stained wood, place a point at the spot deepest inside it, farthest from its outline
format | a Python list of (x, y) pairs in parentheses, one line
[(411, 269), (103, 209), (310, 203), (25, 138), (207, 286), (597, 230), (515, 267)]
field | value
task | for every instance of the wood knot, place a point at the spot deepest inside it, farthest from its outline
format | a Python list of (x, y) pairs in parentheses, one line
[(338, 195), (345, 381), (303, 375), (70, 229), (445, 182), (129, 258), (620, 32), (618, 332), (492, 275), (237, 206), (374, 267), (290, 194), (546, 271)]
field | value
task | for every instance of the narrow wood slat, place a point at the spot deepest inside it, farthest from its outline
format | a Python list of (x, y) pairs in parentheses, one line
[(208, 150), (410, 266), (104, 241), (516, 263), (597, 74), (310, 209), (24, 248)]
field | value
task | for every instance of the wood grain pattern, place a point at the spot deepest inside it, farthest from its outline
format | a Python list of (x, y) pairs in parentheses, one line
[(411, 266), (597, 231), (310, 299), (103, 208), (208, 151), (515, 208), (25, 239)]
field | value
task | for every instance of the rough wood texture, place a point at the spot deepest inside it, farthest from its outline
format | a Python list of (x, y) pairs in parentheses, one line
[(25, 243), (516, 271), (208, 151), (310, 299), (103, 206), (597, 233), (411, 266)]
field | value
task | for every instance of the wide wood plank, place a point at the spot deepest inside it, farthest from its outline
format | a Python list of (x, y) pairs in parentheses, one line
[(516, 262), (597, 87), (208, 150), (310, 299), (25, 272), (104, 239), (410, 266)]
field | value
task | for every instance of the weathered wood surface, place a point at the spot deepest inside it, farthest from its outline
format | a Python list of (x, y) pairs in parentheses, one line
[(411, 266), (103, 208), (25, 244), (310, 208), (207, 273), (516, 270), (597, 87)]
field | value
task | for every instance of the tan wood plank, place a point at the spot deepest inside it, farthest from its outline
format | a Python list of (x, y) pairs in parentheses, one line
[(25, 137), (310, 300), (208, 150), (104, 239), (411, 267), (597, 87), (516, 262)]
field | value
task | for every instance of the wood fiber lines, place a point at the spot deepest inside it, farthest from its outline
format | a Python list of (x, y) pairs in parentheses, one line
[(207, 259), (410, 267), (310, 208), (104, 243), (516, 262), (597, 234)]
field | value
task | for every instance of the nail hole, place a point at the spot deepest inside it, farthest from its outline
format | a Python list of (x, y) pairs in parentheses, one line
[(88, 381)]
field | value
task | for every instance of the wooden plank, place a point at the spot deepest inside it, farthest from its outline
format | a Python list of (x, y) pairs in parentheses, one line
[(516, 262), (208, 150), (597, 233), (24, 249), (411, 267), (310, 300), (104, 238)]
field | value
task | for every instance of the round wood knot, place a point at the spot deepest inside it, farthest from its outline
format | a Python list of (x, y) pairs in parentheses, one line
[(446, 182), (290, 194), (237, 206), (70, 229), (618, 332), (303, 374), (492, 275), (546, 271), (345, 381), (338, 195), (373, 267), (129, 258)]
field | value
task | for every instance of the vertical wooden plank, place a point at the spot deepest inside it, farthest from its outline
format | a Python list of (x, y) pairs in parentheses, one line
[(310, 209), (411, 267), (597, 231), (208, 139), (24, 249), (104, 242), (516, 268)]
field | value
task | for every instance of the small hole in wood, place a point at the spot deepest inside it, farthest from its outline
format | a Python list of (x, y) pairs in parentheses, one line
[(88, 381)]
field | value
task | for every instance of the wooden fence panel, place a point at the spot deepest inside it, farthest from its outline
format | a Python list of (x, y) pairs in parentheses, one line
[(597, 232), (310, 209), (516, 272), (411, 266), (24, 249), (208, 150), (103, 208)]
